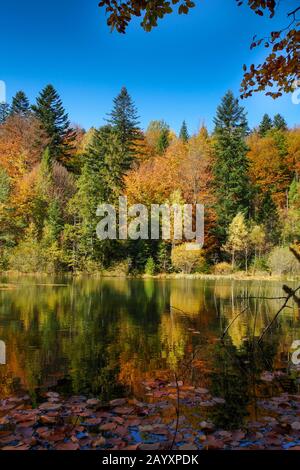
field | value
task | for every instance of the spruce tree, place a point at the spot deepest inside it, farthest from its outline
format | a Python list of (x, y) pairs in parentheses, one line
[(163, 141), (20, 104), (124, 121), (183, 134), (106, 158), (265, 125), (4, 112), (54, 120), (231, 181), (280, 123), (101, 181)]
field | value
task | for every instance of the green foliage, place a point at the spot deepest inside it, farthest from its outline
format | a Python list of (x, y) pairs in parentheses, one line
[(164, 263), (20, 105), (290, 218), (37, 253), (158, 136), (150, 266), (260, 264), (107, 158), (267, 215), (265, 126), (163, 141), (184, 134), (48, 203), (232, 187), (125, 122), (4, 112), (50, 112), (279, 123)]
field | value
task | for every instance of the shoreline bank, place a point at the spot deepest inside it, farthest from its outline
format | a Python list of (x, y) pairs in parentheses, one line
[(238, 276)]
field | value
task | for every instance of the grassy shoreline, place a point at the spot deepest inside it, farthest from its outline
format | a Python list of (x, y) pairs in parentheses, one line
[(237, 276)]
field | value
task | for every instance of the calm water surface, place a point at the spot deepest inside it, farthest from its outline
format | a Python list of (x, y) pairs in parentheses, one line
[(105, 337)]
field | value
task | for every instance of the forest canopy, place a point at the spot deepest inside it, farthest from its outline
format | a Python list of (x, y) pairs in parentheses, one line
[(53, 176)]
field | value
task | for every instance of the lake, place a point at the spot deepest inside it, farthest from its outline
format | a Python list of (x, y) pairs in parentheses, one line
[(106, 337)]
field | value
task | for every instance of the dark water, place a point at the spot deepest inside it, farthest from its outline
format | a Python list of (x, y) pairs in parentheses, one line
[(105, 337)]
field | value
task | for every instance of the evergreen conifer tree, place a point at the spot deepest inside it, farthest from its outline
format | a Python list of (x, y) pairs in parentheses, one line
[(280, 123), (4, 112), (107, 158), (54, 120), (125, 122), (20, 104), (231, 180), (265, 125), (163, 141), (183, 134)]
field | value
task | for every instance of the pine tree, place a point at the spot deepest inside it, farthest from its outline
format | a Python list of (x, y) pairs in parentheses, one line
[(183, 134), (163, 141), (55, 219), (20, 104), (267, 215), (50, 112), (124, 121), (280, 123), (232, 188), (4, 112), (106, 157), (265, 125)]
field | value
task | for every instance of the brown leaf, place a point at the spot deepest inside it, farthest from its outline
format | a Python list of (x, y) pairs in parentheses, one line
[(67, 446)]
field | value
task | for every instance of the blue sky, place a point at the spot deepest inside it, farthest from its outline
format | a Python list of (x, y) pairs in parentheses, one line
[(178, 71)]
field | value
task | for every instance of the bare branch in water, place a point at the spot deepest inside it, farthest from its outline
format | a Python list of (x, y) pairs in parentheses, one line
[(232, 321), (177, 413), (291, 294)]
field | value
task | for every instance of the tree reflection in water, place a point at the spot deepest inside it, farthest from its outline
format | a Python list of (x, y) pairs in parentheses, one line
[(105, 337)]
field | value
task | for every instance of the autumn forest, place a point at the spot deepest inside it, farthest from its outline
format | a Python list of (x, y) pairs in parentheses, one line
[(53, 176)]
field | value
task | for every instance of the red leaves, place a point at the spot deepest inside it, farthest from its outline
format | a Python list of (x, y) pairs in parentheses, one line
[(118, 402), (63, 430), (123, 410), (67, 446), (108, 427)]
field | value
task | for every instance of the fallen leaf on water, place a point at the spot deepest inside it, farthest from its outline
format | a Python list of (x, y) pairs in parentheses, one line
[(118, 402), (55, 437), (44, 419), (93, 402), (154, 446), (50, 406), (296, 425), (52, 394), (67, 446), (123, 410), (146, 428), (188, 447), (99, 442), (201, 391), (108, 427)]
